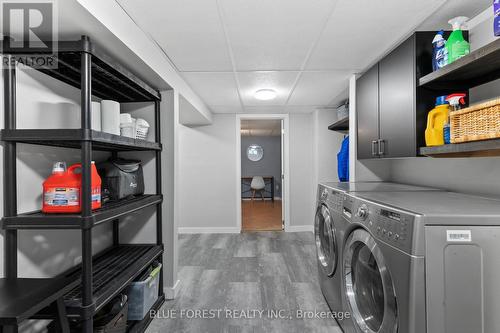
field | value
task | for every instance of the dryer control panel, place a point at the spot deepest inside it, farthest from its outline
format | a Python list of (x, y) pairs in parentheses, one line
[(389, 225)]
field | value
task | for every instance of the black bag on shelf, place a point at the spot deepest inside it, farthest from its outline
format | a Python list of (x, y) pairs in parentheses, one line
[(121, 179)]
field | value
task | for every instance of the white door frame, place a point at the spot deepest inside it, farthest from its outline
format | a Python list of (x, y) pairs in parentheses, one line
[(286, 170)]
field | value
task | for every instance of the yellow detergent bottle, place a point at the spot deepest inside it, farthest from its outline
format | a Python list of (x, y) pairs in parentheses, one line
[(436, 119)]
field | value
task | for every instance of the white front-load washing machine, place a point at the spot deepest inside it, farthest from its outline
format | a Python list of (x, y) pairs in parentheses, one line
[(417, 262)]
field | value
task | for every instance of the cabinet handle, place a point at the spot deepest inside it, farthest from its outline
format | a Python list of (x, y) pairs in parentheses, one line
[(381, 147), (374, 147)]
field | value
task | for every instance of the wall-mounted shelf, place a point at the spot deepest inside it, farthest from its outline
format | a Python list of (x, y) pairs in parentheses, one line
[(478, 67), (341, 125), (467, 149)]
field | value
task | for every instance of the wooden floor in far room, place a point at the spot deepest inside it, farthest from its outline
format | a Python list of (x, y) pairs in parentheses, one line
[(259, 215)]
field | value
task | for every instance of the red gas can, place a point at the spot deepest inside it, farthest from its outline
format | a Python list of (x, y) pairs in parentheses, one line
[(62, 190)]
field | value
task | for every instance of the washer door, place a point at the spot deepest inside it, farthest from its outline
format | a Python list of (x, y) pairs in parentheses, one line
[(368, 285), (326, 244)]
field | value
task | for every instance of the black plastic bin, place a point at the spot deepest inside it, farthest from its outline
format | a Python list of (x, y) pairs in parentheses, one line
[(111, 319), (115, 320)]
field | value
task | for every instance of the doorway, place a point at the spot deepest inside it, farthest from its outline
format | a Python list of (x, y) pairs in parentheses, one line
[(262, 171)]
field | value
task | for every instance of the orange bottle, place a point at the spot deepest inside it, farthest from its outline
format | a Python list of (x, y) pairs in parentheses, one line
[(62, 190)]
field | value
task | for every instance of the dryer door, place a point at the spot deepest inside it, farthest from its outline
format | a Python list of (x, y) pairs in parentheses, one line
[(326, 244), (368, 285)]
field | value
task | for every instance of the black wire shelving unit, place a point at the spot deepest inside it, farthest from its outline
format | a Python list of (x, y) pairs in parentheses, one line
[(102, 276)]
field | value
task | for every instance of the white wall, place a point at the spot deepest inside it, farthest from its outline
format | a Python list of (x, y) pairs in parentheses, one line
[(302, 171), (207, 173)]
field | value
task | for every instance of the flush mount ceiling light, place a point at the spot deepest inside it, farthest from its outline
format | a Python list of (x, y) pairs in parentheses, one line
[(265, 94)]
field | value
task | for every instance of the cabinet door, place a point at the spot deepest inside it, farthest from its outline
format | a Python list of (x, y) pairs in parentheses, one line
[(397, 87), (367, 113)]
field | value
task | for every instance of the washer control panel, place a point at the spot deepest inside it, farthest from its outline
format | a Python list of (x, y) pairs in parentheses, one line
[(331, 198), (390, 225), (334, 201)]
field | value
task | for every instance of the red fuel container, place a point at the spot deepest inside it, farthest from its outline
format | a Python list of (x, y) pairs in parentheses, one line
[(62, 190)]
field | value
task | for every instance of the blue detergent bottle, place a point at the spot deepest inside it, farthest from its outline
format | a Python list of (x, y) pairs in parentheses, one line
[(440, 52)]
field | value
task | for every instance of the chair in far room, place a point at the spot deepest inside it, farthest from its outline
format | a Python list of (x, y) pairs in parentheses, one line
[(258, 185)]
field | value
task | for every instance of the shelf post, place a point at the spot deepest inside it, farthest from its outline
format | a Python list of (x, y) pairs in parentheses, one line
[(9, 174), (86, 186), (159, 210)]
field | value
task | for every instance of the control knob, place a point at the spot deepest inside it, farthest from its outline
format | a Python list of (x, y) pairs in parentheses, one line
[(324, 194), (362, 212)]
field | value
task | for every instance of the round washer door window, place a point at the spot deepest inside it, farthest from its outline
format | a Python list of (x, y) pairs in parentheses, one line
[(326, 245), (368, 285), (255, 153)]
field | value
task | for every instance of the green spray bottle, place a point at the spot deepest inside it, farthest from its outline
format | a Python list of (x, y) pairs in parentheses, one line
[(456, 44)]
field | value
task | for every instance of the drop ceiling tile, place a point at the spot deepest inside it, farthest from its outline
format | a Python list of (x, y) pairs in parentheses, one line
[(273, 35), (319, 88), (281, 82), (190, 32), (214, 88), (301, 109), (360, 32), (265, 109)]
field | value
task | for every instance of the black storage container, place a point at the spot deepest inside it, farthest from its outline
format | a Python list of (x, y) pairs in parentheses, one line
[(114, 318), (121, 179), (110, 319)]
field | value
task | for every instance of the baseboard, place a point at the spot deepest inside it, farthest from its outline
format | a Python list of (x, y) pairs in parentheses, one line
[(300, 228), (260, 199), (204, 230), (172, 292)]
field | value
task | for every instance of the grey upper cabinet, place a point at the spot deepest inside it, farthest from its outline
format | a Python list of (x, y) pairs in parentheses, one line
[(367, 113), (391, 109), (397, 102)]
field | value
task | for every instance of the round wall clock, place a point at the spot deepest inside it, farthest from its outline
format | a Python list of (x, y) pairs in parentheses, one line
[(255, 153)]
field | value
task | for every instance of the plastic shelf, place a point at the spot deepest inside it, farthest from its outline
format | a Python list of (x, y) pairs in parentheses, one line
[(38, 220), (73, 138), (110, 80), (113, 271)]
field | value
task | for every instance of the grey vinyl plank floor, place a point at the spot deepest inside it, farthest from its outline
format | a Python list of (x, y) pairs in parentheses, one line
[(265, 274)]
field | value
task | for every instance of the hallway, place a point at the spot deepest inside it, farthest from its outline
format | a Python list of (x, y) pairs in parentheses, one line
[(248, 271)]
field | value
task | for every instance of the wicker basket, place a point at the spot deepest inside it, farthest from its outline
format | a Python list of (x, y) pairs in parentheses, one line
[(475, 123)]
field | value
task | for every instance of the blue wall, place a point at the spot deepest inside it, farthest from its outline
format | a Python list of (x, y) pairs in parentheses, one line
[(269, 165)]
